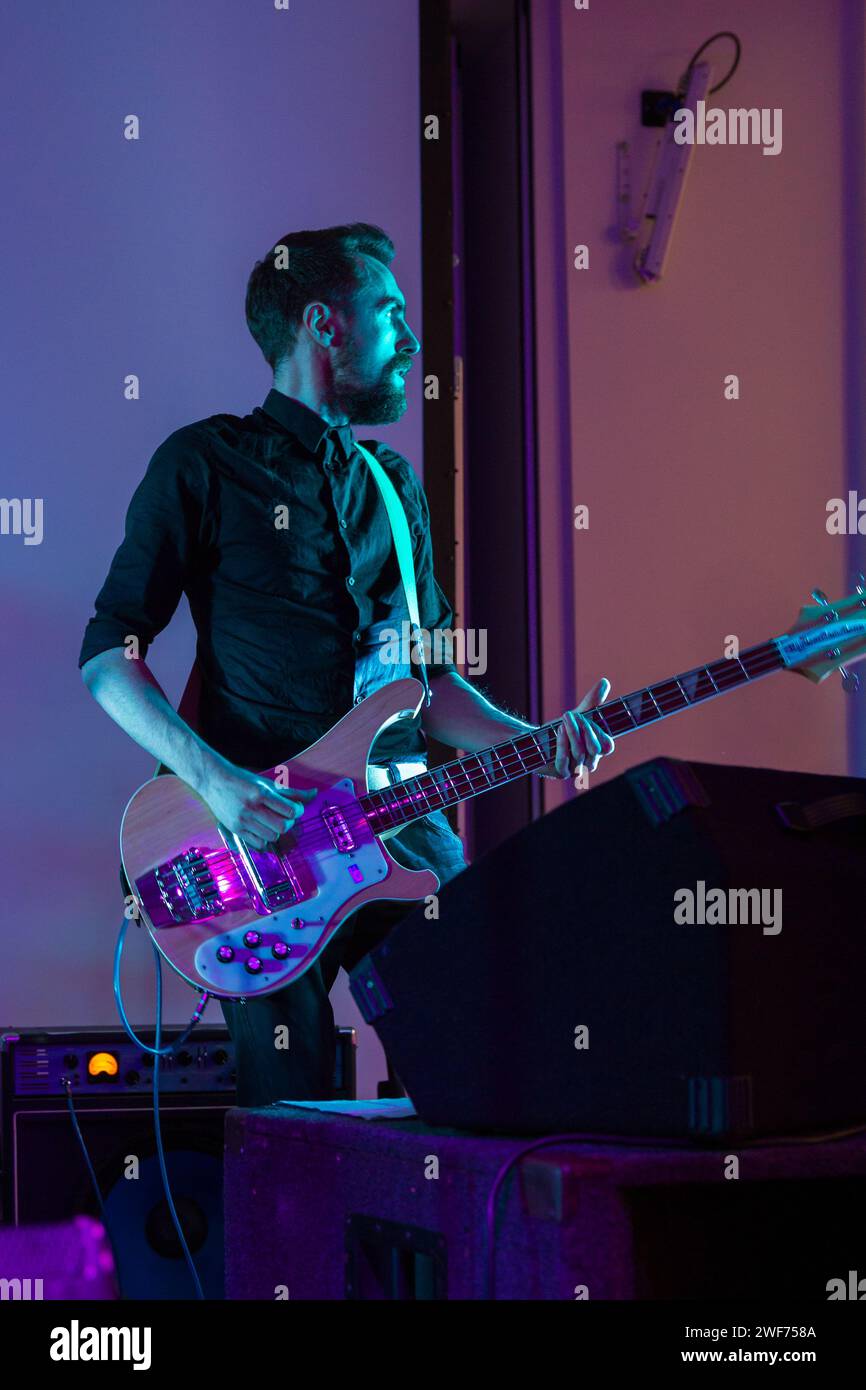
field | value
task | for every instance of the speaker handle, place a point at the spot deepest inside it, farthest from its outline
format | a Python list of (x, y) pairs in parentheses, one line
[(803, 817)]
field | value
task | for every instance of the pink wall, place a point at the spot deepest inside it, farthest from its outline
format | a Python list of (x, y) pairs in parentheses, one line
[(707, 516)]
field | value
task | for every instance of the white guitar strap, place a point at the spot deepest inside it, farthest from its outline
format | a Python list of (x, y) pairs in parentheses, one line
[(403, 546)]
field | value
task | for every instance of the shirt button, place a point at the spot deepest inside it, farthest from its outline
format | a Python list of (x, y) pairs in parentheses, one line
[(359, 699), (356, 636), (350, 582), (343, 523)]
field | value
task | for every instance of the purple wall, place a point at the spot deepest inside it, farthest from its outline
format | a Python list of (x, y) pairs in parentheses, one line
[(131, 257)]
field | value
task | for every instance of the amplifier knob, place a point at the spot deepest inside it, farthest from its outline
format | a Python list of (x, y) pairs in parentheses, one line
[(225, 954), (252, 938)]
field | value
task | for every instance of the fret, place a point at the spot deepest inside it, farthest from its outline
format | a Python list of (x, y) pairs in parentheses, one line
[(599, 716), (544, 751), (444, 785), (494, 753), (671, 690), (474, 758), (523, 763), (416, 782), (725, 673), (637, 697), (649, 692), (435, 789), (622, 704)]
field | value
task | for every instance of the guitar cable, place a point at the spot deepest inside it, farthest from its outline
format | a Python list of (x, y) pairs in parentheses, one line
[(157, 1052)]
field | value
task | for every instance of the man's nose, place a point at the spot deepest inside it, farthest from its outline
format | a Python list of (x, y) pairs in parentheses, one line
[(409, 343)]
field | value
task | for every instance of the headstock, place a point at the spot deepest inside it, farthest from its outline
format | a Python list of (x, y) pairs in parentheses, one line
[(828, 637)]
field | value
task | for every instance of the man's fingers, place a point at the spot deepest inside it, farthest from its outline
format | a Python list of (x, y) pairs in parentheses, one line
[(287, 799), (596, 696)]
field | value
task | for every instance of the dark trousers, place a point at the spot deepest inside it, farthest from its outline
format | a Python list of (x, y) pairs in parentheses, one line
[(305, 1069)]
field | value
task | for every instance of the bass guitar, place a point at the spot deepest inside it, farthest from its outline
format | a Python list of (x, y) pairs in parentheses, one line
[(239, 922)]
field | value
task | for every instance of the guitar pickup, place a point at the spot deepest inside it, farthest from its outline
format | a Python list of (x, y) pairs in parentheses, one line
[(273, 880), (339, 829)]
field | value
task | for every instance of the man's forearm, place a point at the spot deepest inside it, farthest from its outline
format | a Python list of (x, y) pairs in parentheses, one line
[(129, 692), (461, 717)]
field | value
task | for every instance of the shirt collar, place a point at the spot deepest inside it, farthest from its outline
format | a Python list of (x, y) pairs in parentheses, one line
[(305, 423)]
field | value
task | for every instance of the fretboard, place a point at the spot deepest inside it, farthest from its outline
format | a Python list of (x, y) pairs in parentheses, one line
[(475, 773)]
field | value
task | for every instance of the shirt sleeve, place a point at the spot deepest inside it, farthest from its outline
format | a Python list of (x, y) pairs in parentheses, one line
[(150, 569)]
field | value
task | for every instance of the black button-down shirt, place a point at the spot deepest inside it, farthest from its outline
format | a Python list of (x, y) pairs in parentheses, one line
[(274, 527)]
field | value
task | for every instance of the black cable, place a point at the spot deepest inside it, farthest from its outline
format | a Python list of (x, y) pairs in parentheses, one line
[(67, 1084), (722, 34)]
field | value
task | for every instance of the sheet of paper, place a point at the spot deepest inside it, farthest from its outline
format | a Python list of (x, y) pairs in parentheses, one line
[(395, 1108)]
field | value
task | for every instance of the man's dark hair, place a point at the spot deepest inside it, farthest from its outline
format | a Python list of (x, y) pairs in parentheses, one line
[(322, 265)]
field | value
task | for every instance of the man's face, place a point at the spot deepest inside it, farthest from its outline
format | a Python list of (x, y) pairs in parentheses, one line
[(371, 363)]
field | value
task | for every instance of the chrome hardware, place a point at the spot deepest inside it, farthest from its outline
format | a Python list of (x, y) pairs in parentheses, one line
[(252, 938), (339, 830), (850, 679), (820, 597), (225, 954), (192, 886), (254, 965)]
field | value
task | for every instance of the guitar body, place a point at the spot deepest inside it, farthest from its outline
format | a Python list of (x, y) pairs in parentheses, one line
[(241, 923)]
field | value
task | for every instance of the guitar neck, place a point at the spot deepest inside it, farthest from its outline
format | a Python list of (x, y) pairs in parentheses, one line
[(475, 773)]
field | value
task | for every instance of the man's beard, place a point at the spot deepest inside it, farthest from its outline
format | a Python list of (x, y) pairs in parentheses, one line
[(381, 404)]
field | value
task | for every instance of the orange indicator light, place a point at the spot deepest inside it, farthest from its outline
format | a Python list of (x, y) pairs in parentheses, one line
[(102, 1064)]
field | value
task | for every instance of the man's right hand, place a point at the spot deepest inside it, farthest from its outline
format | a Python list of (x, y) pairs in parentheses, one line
[(250, 805)]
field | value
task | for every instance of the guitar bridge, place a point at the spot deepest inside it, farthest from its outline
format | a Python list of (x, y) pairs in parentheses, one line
[(191, 887)]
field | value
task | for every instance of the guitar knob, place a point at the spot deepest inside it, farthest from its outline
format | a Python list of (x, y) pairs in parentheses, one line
[(254, 965), (225, 954), (252, 938), (279, 950), (298, 923)]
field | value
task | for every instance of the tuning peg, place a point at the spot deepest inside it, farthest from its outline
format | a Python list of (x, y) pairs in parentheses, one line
[(850, 680), (818, 596)]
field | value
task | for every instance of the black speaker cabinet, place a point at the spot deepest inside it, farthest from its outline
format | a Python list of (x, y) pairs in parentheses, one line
[(611, 968)]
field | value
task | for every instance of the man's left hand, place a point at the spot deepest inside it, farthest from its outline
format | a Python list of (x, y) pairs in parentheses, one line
[(581, 743)]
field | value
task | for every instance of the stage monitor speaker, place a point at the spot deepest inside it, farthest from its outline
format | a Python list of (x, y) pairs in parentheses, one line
[(44, 1176), (612, 969)]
